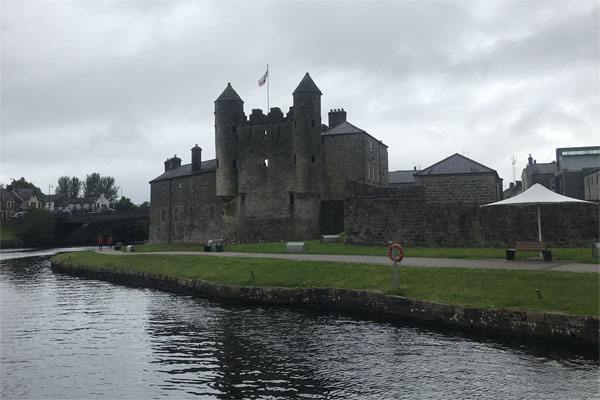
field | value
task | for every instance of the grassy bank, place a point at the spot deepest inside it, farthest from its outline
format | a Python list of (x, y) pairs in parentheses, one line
[(565, 292), (580, 255)]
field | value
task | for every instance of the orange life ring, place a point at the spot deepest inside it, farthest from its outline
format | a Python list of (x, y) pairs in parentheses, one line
[(391, 252)]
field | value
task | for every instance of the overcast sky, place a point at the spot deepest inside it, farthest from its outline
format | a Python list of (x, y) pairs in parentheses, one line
[(116, 87)]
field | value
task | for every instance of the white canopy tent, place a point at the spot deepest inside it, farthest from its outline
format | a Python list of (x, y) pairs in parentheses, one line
[(536, 195)]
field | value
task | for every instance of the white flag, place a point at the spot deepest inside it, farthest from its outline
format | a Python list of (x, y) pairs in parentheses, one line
[(263, 79)]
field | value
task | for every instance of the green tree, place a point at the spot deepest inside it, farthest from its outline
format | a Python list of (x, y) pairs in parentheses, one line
[(74, 188), (37, 227), (145, 206), (95, 185), (70, 187), (125, 204), (62, 186)]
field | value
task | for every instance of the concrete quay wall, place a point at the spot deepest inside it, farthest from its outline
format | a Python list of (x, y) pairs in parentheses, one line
[(568, 330)]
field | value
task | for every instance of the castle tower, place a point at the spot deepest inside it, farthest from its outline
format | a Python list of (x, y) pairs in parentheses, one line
[(229, 113), (307, 136)]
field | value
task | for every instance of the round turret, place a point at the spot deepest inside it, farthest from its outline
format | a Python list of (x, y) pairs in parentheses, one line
[(229, 113), (307, 136)]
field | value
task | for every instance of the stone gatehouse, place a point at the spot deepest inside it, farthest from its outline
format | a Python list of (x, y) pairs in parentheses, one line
[(275, 177)]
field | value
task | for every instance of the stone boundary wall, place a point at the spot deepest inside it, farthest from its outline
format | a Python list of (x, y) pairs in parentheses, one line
[(568, 330), (406, 215)]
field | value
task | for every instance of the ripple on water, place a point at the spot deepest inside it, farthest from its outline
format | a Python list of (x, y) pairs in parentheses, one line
[(67, 337)]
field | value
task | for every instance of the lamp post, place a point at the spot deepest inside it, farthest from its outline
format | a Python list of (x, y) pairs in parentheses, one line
[(48, 201)]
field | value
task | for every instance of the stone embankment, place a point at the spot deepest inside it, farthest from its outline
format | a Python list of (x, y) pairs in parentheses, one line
[(560, 328)]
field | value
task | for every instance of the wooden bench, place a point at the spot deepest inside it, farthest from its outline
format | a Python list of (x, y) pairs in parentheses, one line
[(542, 247), (217, 244)]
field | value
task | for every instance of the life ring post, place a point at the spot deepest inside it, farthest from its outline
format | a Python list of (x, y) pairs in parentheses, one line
[(396, 259)]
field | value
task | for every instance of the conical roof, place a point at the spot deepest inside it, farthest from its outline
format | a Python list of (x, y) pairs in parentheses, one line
[(307, 85), (229, 94)]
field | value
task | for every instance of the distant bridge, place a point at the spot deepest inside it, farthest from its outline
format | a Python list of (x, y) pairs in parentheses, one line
[(85, 228), (91, 218)]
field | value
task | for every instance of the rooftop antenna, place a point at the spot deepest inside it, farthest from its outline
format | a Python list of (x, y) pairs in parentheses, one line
[(514, 161)]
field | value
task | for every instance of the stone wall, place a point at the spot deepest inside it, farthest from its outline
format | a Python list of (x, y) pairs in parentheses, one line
[(560, 328), (186, 210), (460, 188), (352, 157), (407, 216)]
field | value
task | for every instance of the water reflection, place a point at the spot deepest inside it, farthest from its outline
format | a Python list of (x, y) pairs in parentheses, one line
[(68, 337)]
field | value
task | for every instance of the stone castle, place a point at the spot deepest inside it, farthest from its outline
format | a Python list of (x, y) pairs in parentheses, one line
[(275, 176)]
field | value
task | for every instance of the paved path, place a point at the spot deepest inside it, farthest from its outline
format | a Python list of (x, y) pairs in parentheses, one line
[(407, 261)]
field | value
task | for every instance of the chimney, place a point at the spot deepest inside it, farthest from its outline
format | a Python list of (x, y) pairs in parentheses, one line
[(172, 163), (196, 158), (512, 185), (336, 117), (530, 160)]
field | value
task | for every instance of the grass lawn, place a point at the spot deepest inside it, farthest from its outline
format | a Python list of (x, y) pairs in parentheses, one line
[(580, 255), (565, 292)]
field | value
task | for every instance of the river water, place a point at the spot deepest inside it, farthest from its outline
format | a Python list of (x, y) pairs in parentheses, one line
[(72, 338)]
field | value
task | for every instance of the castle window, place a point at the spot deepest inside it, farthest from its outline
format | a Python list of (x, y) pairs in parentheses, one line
[(266, 162), (265, 133), (162, 215), (294, 158), (370, 146), (243, 199), (164, 188), (211, 213), (203, 181), (217, 163), (233, 128), (234, 163), (312, 123), (179, 186), (291, 198), (312, 159)]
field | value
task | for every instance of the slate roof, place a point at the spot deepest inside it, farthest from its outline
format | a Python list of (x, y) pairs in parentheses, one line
[(456, 164), (407, 176), (229, 94), (542, 168), (25, 193), (346, 128), (90, 199), (343, 128), (59, 200), (307, 85), (186, 170)]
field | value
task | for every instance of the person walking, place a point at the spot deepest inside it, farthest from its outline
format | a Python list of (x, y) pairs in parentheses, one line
[(110, 242), (100, 241)]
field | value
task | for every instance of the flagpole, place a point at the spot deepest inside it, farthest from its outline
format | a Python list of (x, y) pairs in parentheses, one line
[(268, 79)]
